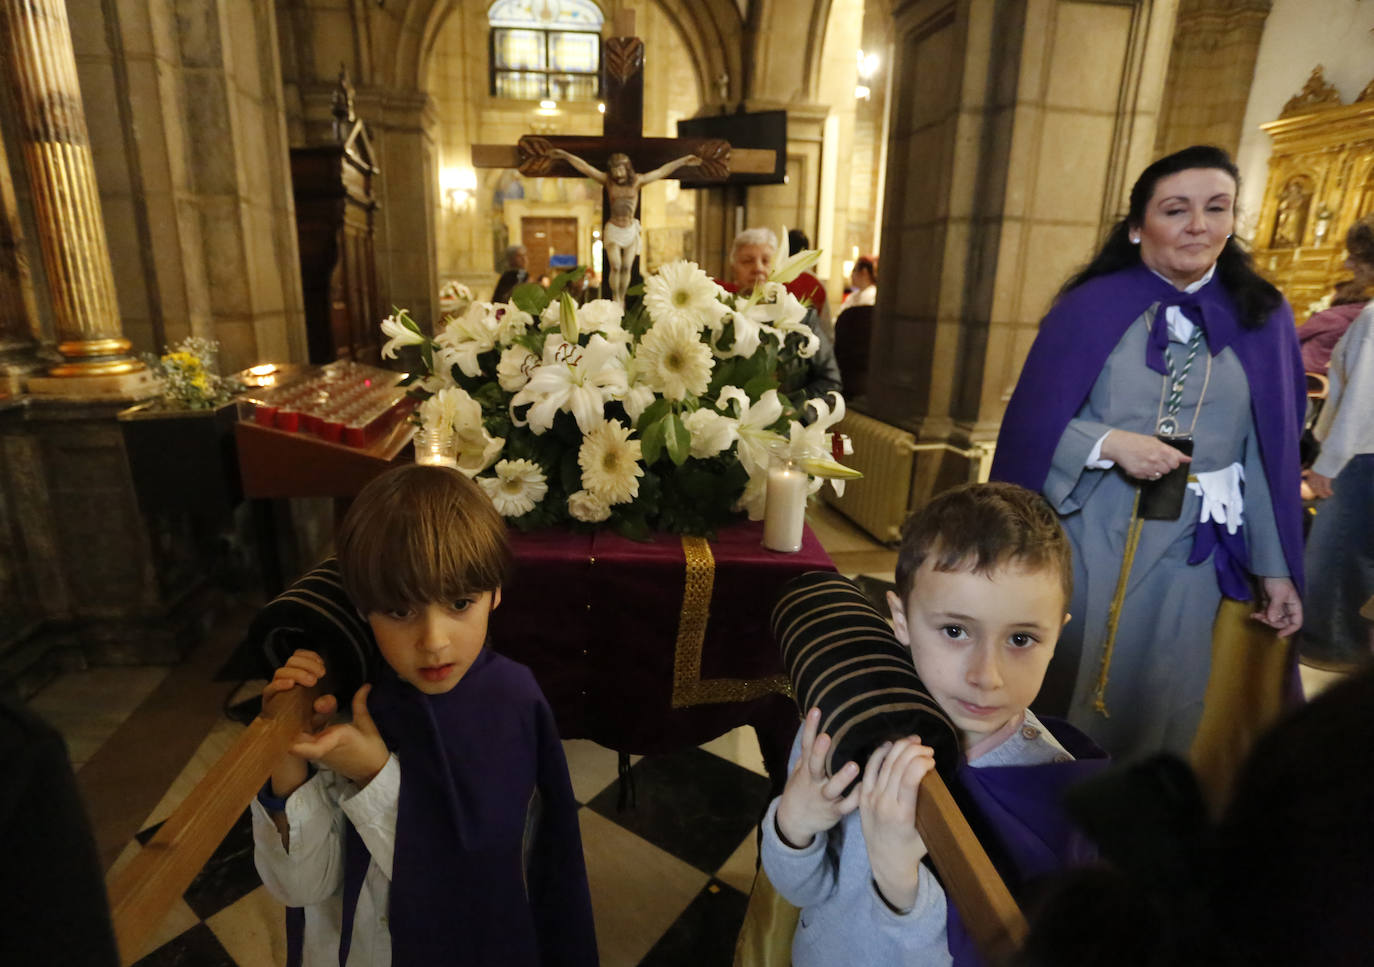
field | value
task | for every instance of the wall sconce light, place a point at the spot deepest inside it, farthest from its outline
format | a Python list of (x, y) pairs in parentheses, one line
[(458, 186), (868, 65), (862, 92)]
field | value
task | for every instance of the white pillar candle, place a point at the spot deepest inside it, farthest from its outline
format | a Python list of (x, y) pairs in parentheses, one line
[(784, 514)]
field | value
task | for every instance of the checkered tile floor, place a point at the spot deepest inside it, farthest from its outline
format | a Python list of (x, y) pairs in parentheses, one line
[(669, 874)]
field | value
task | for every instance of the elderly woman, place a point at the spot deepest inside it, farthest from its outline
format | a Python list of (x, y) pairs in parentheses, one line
[(1340, 549), (751, 260), (1159, 412)]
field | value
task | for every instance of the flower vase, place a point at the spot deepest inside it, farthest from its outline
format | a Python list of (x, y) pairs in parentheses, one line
[(436, 446), (784, 515)]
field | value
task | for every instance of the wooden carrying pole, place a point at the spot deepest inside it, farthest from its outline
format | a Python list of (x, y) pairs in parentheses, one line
[(143, 891), (990, 915)]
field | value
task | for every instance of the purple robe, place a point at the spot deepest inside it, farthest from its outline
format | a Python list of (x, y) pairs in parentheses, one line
[(1083, 328), (1018, 814), (488, 865)]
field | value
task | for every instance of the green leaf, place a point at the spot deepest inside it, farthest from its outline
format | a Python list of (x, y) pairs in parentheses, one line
[(678, 440), (565, 279), (530, 297), (655, 411), (635, 290), (651, 441)]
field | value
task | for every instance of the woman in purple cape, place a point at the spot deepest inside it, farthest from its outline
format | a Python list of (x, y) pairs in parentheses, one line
[(1167, 333)]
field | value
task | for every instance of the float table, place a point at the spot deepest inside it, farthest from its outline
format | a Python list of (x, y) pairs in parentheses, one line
[(654, 646)]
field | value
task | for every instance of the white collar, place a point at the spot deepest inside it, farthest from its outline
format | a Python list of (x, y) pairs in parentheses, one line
[(1207, 277)]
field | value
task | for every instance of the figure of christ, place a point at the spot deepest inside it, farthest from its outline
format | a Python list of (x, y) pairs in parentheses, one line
[(621, 234)]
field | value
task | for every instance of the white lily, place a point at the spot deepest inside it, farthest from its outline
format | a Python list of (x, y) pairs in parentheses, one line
[(467, 337), (810, 446), (756, 441), (579, 379), (400, 334), (772, 305), (792, 264), (474, 448)]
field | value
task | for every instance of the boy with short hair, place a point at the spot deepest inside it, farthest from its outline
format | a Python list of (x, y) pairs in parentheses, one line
[(441, 826), (984, 575)]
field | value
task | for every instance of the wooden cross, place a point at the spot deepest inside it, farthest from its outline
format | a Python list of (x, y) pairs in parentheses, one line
[(622, 130)]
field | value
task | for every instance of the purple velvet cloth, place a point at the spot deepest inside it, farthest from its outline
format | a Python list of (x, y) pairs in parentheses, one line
[(1320, 333), (595, 616), (1083, 328), (472, 762), (1019, 816)]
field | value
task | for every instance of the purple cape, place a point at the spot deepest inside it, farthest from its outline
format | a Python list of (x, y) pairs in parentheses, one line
[(1018, 814), (484, 789), (1084, 327)]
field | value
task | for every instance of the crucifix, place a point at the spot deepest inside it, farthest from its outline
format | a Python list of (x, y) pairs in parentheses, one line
[(614, 158)]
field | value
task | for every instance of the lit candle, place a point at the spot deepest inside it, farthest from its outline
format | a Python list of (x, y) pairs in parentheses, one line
[(784, 514)]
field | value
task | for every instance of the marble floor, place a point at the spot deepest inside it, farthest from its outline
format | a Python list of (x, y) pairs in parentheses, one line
[(669, 875)]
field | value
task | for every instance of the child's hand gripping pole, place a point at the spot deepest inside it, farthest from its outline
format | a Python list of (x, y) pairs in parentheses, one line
[(144, 890)]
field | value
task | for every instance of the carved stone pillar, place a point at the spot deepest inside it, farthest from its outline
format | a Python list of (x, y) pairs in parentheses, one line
[(41, 70), (1211, 68)]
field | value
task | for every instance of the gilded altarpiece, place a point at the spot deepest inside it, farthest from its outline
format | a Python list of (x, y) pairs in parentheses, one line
[(1321, 179)]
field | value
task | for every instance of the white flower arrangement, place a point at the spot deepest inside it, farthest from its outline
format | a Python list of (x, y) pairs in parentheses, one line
[(664, 417)]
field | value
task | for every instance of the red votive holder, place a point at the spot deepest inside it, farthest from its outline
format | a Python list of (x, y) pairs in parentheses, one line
[(331, 431), (355, 435), (288, 420), (264, 414)]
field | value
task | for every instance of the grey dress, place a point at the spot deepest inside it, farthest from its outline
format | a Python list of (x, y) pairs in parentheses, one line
[(1162, 656)]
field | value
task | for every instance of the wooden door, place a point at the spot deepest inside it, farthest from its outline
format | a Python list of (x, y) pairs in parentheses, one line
[(545, 237)]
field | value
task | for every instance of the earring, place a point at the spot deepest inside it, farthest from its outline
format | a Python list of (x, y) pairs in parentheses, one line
[(1228, 234), (1135, 239)]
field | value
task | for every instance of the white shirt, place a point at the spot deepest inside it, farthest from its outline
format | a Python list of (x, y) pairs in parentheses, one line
[(310, 873)]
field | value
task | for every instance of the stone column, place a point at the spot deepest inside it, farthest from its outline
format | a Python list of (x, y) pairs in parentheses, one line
[(41, 70), (1017, 128), (1211, 68), (18, 311)]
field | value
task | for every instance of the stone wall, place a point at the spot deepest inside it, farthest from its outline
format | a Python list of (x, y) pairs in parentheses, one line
[(185, 107), (1016, 132)]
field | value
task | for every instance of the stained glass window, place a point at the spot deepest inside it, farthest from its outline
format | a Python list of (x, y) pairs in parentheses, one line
[(546, 49)]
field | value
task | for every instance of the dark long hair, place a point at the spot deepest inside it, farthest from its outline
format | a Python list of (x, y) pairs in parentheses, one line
[(1255, 297)]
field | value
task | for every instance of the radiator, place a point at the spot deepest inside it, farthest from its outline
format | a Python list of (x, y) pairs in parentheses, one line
[(887, 457)]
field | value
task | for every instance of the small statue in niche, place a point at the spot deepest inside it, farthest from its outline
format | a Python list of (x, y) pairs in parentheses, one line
[(1291, 222)]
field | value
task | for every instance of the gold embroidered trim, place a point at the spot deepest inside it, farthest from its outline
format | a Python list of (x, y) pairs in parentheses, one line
[(688, 687)]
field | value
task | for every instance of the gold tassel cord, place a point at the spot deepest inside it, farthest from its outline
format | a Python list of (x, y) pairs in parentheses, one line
[(1114, 611)]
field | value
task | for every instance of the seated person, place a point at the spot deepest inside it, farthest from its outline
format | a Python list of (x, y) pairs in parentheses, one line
[(439, 825), (751, 260), (984, 575), (517, 262), (864, 279)]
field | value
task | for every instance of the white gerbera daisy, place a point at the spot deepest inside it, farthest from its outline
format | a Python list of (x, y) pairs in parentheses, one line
[(681, 292), (517, 488), (588, 507), (674, 361), (610, 463)]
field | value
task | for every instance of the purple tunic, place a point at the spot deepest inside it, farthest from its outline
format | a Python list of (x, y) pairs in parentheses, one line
[(488, 867)]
